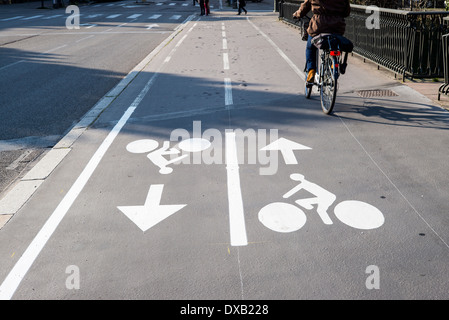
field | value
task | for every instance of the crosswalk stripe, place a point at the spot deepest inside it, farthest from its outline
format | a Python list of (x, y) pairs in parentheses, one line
[(155, 16), (113, 16), (134, 16), (175, 17)]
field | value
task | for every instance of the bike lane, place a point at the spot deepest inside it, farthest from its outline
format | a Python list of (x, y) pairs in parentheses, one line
[(226, 229)]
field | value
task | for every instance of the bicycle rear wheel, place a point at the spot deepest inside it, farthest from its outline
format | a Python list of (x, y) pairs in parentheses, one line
[(328, 85)]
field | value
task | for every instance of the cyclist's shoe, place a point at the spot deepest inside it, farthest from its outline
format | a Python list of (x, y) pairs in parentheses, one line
[(311, 76)]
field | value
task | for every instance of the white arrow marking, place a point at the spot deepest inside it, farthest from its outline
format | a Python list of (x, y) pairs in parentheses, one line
[(152, 212), (153, 25), (286, 147)]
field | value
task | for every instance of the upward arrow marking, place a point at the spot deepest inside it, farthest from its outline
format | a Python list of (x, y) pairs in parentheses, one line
[(286, 147), (152, 212)]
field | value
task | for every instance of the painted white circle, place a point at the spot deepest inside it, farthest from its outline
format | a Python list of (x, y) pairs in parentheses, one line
[(359, 215), (282, 217), (142, 146), (194, 145)]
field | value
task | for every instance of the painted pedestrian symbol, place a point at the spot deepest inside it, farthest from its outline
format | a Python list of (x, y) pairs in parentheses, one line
[(285, 217)]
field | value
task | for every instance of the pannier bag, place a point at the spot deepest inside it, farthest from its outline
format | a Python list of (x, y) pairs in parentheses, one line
[(330, 41)]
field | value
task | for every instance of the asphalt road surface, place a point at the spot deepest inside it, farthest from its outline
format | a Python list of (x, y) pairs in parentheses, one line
[(210, 176)]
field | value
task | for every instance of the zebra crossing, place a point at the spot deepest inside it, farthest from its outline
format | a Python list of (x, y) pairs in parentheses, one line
[(92, 16), (106, 16)]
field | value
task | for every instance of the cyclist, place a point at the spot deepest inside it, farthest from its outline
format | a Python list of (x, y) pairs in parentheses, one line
[(328, 17)]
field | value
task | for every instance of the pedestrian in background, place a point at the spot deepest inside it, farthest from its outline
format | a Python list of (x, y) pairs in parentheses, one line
[(207, 7), (242, 5), (201, 3)]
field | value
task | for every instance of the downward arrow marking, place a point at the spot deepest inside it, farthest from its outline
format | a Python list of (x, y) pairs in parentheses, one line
[(152, 212)]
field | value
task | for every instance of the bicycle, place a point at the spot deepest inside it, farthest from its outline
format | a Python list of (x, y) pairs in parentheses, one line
[(329, 65)]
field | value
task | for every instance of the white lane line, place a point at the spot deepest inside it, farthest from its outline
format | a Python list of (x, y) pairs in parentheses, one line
[(169, 56), (236, 212), (22, 266), (228, 92), (134, 16), (54, 49), (113, 16), (91, 36), (11, 64), (280, 52), (33, 17), (225, 61), (13, 18), (18, 272), (225, 44), (155, 16), (52, 17), (175, 17)]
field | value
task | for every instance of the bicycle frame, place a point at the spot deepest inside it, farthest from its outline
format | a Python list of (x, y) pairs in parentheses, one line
[(328, 72)]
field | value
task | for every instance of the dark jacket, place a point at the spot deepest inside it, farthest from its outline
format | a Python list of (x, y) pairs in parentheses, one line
[(328, 15)]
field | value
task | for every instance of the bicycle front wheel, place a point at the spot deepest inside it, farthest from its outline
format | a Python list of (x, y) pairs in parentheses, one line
[(328, 85)]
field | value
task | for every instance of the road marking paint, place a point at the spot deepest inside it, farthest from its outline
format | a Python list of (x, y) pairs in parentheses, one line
[(359, 215), (13, 18), (236, 212), (155, 16), (225, 61), (225, 44), (22, 266), (113, 16), (13, 165), (52, 17), (18, 272), (228, 92), (134, 16), (33, 17), (175, 17), (11, 64), (279, 51), (54, 49)]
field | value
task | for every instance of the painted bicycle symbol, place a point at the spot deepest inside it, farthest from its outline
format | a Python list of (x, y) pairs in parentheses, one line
[(285, 217)]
